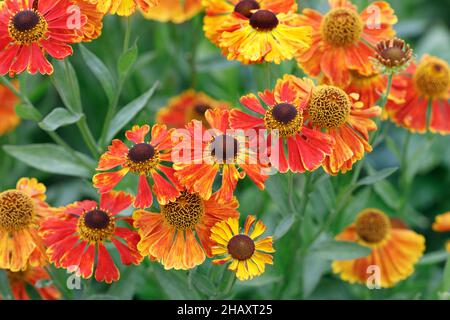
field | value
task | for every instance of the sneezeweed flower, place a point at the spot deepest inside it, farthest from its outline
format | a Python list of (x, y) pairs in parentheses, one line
[(83, 233), (342, 39), (29, 30), (255, 31), (175, 11), (188, 106), (171, 235), (395, 249), (8, 117), (21, 210), (218, 11), (35, 277), (392, 56), (144, 159), (344, 118), (426, 84), (219, 150), (124, 7), (442, 224), (285, 112), (247, 255), (92, 29)]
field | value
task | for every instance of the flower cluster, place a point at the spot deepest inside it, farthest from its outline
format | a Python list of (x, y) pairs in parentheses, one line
[(168, 190)]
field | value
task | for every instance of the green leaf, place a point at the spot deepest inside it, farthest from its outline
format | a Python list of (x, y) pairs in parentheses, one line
[(126, 61), (433, 258), (59, 117), (28, 112), (101, 72), (174, 284), (446, 276), (127, 113), (49, 158), (202, 283), (5, 289), (275, 187), (377, 176), (66, 83), (341, 250), (284, 226)]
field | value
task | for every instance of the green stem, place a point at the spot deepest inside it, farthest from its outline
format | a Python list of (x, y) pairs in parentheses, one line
[(112, 107), (388, 91), (267, 75), (405, 182), (82, 125), (55, 136)]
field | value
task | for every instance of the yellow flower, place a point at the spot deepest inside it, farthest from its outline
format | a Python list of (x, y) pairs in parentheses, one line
[(124, 7), (248, 257), (395, 249), (21, 210), (175, 11)]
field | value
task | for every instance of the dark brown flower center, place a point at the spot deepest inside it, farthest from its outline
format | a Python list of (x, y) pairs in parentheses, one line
[(284, 112), (241, 247), (245, 7), (141, 152), (201, 108), (185, 212), (264, 20), (225, 148), (96, 219), (372, 226), (25, 20)]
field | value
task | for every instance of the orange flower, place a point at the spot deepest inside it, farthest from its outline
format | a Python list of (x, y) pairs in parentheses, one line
[(342, 37), (217, 150), (8, 117), (175, 11), (124, 7), (171, 235), (94, 24), (21, 210), (340, 115), (188, 106), (248, 256), (81, 234), (144, 159), (442, 224), (255, 31), (395, 249), (285, 112), (425, 84), (35, 277), (29, 30)]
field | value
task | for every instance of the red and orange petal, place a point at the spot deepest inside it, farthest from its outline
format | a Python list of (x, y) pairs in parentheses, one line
[(240, 41), (219, 11), (246, 269), (352, 139), (337, 62), (94, 21), (369, 87), (198, 173), (442, 222), (175, 11), (306, 149), (186, 107), (68, 249), (182, 248), (23, 246), (17, 57), (409, 109), (124, 7), (165, 185), (36, 277), (9, 120), (395, 257)]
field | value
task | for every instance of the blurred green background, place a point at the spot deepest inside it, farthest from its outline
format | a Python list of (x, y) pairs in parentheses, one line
[(180, 57)]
